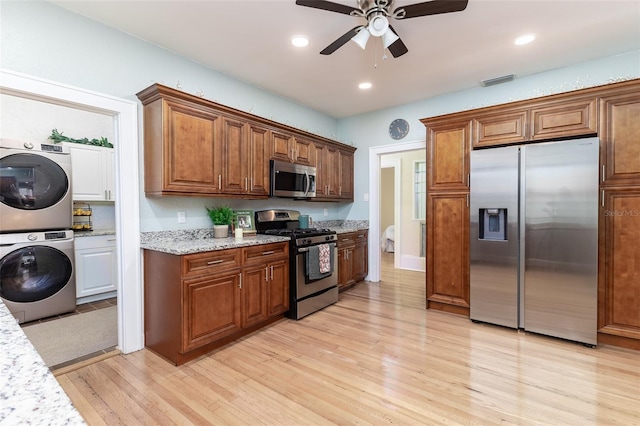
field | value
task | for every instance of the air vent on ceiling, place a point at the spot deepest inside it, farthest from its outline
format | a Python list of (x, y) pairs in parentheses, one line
[(498, 80)]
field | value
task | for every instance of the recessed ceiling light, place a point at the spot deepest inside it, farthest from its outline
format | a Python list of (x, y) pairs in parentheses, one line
[(525, 39), (365, 85), (299, 41)]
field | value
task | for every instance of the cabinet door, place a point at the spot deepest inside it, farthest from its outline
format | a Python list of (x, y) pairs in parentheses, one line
[(191, 150), (448, 156), (282, 146), (89, 172), (500, 129), (619, 287), (321, 171), (345, 187), (211, 309), (96, 271), (254, 296), (278, 288), (360, 257), (448, 252), (564, 119), (304, 151), (235, 157), (258, 142), (331, 171), (619, 130)]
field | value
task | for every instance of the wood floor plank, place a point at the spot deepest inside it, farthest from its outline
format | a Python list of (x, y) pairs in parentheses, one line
[(375, 357)]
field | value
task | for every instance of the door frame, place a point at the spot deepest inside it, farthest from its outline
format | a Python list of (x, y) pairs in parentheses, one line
[(127, 210), (375, 154)]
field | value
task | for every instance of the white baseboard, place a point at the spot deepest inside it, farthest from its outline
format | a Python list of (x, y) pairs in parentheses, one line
[(413, 263)]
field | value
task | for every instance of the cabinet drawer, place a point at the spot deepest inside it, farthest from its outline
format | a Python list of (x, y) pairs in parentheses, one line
[(346, 239), (99, 241), (361, 236), (210, 262), (265, 253)]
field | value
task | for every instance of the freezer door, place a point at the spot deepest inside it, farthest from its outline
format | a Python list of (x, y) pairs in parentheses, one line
[(494, 236), (561, 239)]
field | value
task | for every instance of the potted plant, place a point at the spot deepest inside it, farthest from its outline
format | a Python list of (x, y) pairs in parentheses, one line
[(221, 217)]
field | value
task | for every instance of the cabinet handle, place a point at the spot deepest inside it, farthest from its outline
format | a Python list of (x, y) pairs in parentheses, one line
[(111, 239), (603, 198), (603, 172), (105, 195), (467, 200), (266, 273), (219, 181), (345, 239), (340, 190), (264, 253), (271, 272), (360, 236), (215, 262), (246, 183), (468, 180), (251, 183), (240, 282)]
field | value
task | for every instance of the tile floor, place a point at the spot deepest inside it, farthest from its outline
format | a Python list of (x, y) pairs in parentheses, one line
[(80, 309)]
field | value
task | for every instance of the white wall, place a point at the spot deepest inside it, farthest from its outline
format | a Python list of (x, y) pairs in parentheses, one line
[(43, 40), (370, 130)]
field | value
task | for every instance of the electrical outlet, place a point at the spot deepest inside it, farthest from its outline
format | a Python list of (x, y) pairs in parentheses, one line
[(182, 217), (365, 197), (326, 212)]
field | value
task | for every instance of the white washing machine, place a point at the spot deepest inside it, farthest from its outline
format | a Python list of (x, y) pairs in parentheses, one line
[(35, 186), (37, 274)]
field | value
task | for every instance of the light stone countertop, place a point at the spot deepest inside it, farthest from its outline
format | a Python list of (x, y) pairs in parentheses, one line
[(29, 393), (94, 233), (199, 241)]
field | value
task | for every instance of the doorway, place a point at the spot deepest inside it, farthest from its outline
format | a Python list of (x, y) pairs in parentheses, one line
[(125, 118)]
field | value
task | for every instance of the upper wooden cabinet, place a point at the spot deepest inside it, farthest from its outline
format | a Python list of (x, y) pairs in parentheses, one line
[(182, 150), (620, 135), (448, 155), (195, 147), (500, 128), (286, 147)]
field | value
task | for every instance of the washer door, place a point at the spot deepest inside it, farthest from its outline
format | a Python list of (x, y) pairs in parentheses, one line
[(31, 182), (31, 274)]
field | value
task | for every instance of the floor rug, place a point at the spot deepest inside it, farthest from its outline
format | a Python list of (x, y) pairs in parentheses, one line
[(74, 336)]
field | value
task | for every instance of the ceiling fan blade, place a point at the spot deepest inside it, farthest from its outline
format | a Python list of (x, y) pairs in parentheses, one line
[(341, 41), (434, 7), (397, 48), (327, 5)]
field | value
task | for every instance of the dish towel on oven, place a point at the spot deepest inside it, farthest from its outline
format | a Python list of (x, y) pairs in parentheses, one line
[(320, 261)]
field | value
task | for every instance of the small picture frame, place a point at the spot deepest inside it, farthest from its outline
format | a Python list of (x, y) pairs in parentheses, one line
[(243, 219)]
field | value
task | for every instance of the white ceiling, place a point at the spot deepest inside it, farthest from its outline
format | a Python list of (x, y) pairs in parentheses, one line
[(250, 40)]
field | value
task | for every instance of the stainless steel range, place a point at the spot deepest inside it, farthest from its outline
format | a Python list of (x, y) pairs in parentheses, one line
[(313, 257)]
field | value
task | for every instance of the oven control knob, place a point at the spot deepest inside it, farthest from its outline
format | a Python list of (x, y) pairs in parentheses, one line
[(32, 237), (28, 145), (328, 238)]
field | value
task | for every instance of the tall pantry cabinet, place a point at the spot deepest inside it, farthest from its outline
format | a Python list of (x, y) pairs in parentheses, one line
[(611, 112)]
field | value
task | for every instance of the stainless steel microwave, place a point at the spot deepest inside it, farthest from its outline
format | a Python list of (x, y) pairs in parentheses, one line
[(292, 180)]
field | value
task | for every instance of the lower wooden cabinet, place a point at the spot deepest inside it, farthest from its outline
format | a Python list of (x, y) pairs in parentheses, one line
[(353, 263), (448, 252), (197, 302)]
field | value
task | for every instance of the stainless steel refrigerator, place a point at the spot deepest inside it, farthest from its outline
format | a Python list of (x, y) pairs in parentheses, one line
[(534, 238)]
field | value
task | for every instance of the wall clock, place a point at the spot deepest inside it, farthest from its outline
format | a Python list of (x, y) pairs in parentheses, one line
[(398, 128)]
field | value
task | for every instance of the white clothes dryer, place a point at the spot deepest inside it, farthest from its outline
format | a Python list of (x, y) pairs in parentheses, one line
[(37, 274), (35, 186)]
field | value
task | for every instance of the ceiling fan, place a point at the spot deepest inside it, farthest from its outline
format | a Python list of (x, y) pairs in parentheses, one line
[(377, 14)]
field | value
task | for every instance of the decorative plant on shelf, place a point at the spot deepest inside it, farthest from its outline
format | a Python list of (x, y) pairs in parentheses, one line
[(221, 217), (58, 137)]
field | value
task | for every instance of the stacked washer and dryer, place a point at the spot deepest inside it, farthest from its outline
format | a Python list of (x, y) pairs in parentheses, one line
[(37, 270)]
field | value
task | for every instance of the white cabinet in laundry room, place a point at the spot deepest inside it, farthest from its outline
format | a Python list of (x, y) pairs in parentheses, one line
[(96, 268), (92, 172)]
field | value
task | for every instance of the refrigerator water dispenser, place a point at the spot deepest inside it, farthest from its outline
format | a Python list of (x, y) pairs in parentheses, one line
[(493, 224)]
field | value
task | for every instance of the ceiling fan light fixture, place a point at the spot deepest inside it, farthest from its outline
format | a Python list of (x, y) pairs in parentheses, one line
[(361, 38), (389, 38), (378, 25)]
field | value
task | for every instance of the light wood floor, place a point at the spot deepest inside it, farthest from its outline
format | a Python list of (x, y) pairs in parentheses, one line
[(376, 357)]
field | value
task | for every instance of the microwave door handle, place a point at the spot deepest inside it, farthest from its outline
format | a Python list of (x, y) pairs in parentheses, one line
[(306, 173)]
